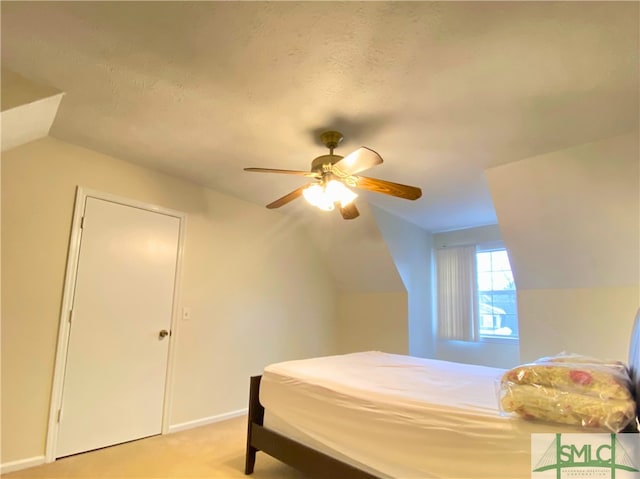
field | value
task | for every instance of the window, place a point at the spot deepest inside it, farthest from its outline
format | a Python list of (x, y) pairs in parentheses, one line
[(475, 293), (496, 289)]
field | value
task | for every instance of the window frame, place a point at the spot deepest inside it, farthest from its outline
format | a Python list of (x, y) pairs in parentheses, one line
[(485, 248)]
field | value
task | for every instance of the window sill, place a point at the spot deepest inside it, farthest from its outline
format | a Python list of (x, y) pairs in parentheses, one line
[(500, 340)]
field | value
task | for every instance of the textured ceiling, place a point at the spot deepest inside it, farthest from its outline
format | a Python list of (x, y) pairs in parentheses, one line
[(442, 90)]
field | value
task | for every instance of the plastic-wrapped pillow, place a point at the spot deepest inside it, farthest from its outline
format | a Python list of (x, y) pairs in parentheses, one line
[(584, 378), (570, 389), (567, 407), (564, 357)]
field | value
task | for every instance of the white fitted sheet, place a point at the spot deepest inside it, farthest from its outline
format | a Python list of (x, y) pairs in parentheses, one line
[(400, 416)]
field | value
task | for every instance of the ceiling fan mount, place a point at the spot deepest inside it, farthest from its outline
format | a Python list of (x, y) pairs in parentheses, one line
[(331, 139), (334, 174)]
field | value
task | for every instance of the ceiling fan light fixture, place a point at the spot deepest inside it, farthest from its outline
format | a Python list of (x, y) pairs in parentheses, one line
[(339, 193), (315, 195), (326, 196)]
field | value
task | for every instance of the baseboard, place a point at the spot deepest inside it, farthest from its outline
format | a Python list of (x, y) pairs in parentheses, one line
[(206, 420), (21, 464), (7, 467)]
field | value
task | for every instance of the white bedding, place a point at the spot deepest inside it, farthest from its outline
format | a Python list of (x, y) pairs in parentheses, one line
[(400, 416)]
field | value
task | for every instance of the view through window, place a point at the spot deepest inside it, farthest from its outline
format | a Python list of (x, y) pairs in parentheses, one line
[(497, 305)]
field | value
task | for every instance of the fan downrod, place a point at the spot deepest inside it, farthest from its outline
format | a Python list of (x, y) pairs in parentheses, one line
[(331, 139)]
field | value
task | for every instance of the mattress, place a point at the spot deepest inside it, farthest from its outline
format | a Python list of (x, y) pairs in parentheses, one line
[(399, 416)]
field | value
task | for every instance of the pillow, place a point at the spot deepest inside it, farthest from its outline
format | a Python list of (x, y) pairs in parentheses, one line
[(618, 366), (584, 378), (567, 407)]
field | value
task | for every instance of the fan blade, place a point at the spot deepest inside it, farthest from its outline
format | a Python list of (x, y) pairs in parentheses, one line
[(361, 159), (287, 198), (388, 188), (310, 174), (348, 212)]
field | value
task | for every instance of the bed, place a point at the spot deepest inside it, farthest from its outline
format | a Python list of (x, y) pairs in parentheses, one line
[(422, 419)]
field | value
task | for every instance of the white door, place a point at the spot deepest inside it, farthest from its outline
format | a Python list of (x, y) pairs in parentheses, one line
[(116, 366)]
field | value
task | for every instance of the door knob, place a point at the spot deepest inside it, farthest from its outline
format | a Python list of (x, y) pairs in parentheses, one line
[(163, 334)]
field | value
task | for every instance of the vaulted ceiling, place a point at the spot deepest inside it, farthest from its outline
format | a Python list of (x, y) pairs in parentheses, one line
[(442, 90)]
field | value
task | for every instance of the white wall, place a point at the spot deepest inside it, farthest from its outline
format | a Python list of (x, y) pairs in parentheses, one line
[(410, 247), (497, 353), (468, 236), (571, 222), (258, 289)]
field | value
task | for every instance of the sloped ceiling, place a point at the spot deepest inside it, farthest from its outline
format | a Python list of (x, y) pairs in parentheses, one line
[(571, 219), (355, 251), (442, 90), (28, 109)]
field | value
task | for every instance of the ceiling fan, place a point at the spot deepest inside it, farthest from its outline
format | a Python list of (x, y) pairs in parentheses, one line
[(333, 175)]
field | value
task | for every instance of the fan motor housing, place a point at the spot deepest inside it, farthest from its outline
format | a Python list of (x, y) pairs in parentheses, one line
[(316, 165)]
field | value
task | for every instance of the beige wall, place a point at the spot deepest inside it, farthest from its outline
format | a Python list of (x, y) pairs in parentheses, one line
[(571, 222), (373, 322), (258, 290), (591, 321)]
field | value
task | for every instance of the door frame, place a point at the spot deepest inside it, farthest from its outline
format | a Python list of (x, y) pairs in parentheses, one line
[(64, 329)]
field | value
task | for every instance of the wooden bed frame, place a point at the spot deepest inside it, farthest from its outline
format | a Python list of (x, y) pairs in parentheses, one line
[(321, 466), (298, 456)]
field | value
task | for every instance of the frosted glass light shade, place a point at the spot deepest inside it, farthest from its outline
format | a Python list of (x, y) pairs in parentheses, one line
[(325, 197)]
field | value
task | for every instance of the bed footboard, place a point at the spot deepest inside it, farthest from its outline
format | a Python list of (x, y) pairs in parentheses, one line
[(299, 456)]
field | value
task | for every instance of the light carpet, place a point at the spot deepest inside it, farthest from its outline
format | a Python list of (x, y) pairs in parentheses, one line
[(214, 451)]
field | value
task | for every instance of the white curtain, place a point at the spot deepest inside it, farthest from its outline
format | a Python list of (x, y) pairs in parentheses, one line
[(457, 298)]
